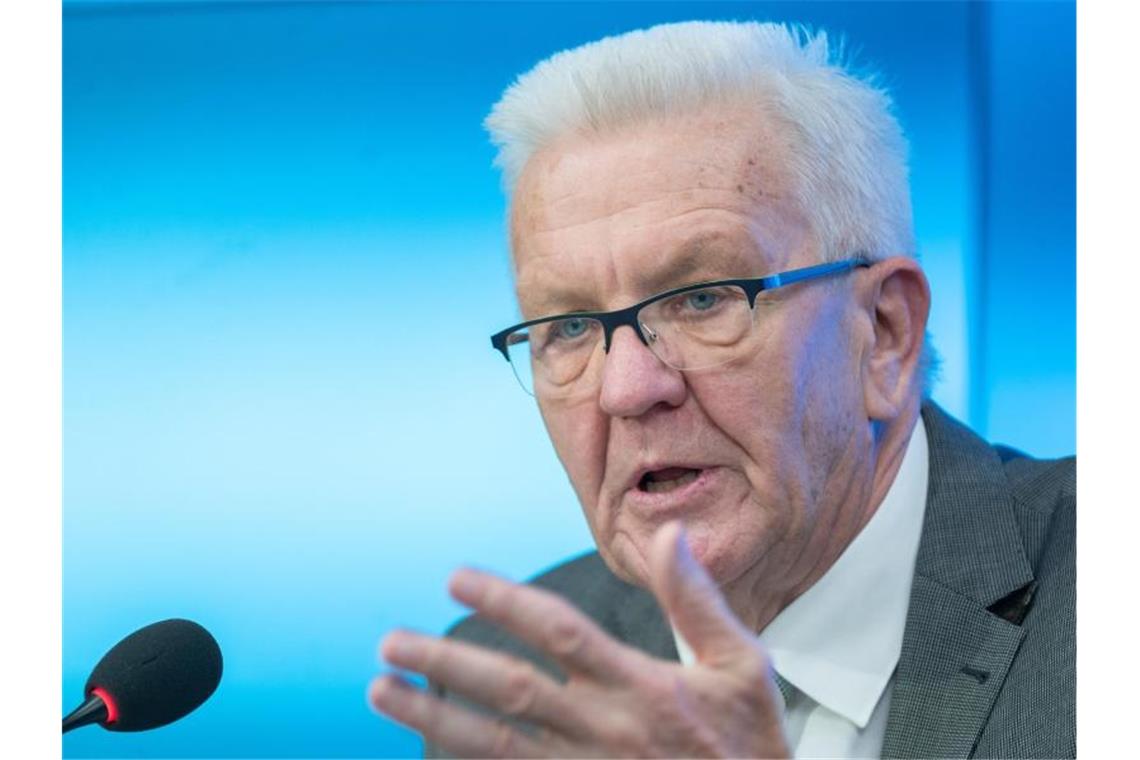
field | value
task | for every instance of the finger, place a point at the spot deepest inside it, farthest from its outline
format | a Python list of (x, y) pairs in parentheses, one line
[(507, 685), (548, 623), (455, 729), (692, 600)]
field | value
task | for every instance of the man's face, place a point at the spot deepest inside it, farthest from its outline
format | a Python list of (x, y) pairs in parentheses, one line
[(756, 456)]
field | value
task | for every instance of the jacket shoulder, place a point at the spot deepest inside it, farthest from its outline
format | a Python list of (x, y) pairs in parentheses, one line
[(1044, 494), (1040, 483)]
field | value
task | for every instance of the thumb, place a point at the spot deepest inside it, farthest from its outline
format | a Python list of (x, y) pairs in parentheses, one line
[(692, 601)]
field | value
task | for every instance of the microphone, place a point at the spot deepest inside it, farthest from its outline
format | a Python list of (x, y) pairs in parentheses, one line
[(155, 676)]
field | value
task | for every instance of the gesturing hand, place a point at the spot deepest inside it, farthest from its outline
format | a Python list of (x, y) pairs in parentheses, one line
[(616, 701)]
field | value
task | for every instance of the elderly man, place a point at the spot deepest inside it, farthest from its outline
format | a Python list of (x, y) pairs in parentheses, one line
[(724, 332)]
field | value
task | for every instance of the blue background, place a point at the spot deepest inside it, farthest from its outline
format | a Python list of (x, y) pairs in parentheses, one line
[(284, 252)]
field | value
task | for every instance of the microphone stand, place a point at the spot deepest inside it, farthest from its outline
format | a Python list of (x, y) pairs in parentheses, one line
[(94, 710)]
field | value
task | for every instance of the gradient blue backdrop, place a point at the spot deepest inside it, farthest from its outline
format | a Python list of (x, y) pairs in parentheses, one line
[(284, 252)]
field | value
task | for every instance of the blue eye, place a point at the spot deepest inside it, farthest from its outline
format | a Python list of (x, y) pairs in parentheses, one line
[(569, 329), (702, 300)]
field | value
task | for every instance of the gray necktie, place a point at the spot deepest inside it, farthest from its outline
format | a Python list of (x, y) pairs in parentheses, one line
[(787, 691)]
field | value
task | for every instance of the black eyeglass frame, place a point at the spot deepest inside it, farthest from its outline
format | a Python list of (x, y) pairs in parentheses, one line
[(752, 287)]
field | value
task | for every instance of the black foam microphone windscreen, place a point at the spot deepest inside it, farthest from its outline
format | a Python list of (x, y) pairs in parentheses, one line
[(157, 675)]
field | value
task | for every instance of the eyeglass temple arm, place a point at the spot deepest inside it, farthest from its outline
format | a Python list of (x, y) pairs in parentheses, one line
[(812, 272)]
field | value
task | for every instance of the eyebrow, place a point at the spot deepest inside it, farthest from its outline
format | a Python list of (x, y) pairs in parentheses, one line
[(703, 257)]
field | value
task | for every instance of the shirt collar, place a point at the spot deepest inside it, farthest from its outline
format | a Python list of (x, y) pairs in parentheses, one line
[(839, 641)]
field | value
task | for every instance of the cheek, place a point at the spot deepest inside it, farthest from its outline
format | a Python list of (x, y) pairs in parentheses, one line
[(768, 407), (758, 404), (759, 408), (830, 370), (830, 401), (578, 433)]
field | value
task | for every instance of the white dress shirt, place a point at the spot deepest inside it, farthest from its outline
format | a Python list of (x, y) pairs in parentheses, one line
[(838, 643)]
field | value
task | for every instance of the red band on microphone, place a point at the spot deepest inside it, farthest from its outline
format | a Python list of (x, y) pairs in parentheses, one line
[(112, 708)]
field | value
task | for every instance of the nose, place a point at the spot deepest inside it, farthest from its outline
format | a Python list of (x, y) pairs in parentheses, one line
[(634, 380)]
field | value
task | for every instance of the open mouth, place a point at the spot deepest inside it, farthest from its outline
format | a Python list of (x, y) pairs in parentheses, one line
[(668, 479)]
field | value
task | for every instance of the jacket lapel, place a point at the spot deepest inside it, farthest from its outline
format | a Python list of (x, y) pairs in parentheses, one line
[(956, 652)]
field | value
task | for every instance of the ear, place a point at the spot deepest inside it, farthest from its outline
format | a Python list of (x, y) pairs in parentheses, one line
[(898, 300)]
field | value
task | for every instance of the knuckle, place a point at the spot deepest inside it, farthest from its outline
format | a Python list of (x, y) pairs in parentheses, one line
[(503, 741), (656, 692), (660, 683), (565, 636), (520, 690)]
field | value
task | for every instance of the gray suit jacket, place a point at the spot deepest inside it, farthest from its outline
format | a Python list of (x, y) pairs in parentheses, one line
[(988, 656)]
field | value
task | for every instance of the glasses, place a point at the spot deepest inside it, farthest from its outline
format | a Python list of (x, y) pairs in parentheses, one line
[(693, 327)]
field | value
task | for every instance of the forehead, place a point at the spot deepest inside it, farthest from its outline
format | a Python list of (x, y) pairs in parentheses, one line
[(598, 220)]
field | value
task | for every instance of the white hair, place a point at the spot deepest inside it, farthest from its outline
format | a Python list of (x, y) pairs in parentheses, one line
[(848, 160), (849, 156)]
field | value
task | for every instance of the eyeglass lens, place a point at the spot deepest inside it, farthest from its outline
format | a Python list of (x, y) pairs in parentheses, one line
[(697, 329)]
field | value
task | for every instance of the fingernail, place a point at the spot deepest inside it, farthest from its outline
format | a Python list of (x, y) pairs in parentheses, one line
[(467, 586)]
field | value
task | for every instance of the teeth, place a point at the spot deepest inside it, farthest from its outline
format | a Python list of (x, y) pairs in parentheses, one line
[(657, 486)]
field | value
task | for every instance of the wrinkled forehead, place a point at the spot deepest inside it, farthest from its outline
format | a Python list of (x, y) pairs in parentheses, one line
[(740, 144), (590, 209)]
